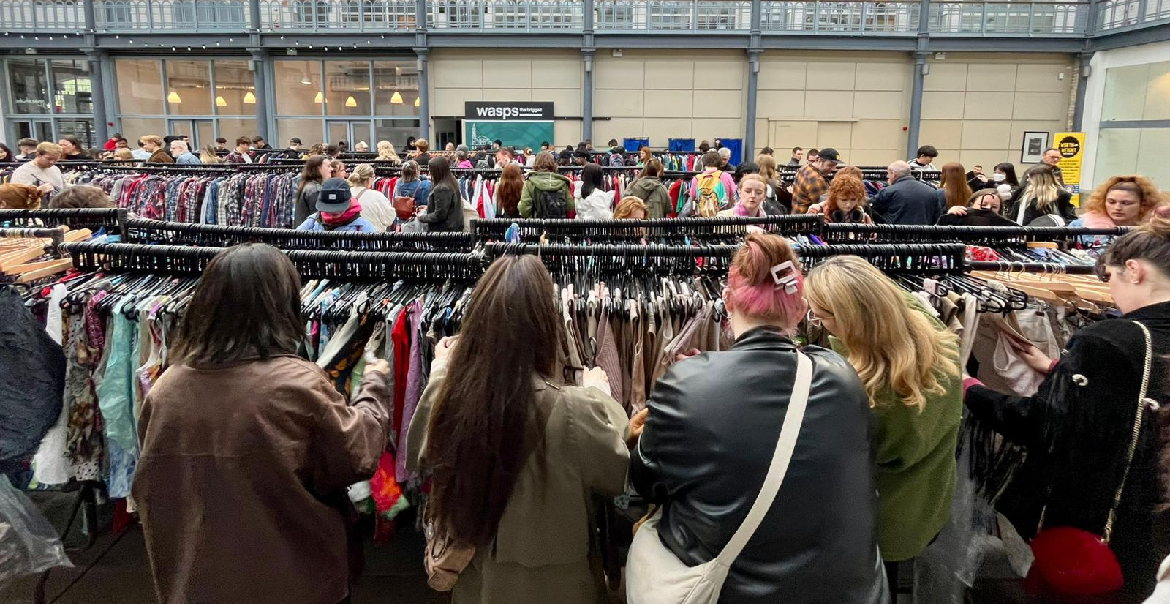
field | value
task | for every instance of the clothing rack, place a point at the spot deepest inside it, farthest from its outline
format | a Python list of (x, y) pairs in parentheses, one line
[(57, 235), (181, 233), (841, 232), (934, 258), (1052, 268), (111, 219), (325, 264), (494, 229)]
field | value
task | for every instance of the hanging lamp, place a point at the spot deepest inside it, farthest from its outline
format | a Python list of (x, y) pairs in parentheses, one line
[(396, 99), (174, 98), (417, 101), (320, 98), (351, 102), (249, 98), (220, 102)]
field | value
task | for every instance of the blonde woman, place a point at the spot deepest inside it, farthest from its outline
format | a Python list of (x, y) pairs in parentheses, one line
[(907, 362), (1043, 196), (208, 155), (374, 205), (387, 152)]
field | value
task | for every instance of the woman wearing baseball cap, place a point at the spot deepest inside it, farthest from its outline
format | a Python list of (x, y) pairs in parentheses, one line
[(337, 210)]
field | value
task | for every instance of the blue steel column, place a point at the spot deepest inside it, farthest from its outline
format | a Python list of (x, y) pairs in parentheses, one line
[(1082, 90), (95, 58), (587, 53), (914, 127), (422, 50), (259, 63), (753, 87), (424, 94)]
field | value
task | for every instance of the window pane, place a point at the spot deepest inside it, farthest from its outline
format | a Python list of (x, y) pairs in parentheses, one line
[(235, 90), (395, 88), (71, 85), (30, 87), (134, 128), (347, 87), (299, 88), (189, 87), (232, 129), (81, 128), (308, 130), (395, 131), (1125, 92), (139, 88)]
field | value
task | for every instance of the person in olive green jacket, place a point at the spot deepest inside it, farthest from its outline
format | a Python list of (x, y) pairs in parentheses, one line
[(908, 362), (649, 188), (519, 488), (545, 178)]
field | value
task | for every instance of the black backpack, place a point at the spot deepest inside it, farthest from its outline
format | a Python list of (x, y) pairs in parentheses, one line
[(551, 204)]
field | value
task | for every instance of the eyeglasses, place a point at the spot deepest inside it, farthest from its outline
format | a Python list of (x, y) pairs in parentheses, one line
[(813, 319)]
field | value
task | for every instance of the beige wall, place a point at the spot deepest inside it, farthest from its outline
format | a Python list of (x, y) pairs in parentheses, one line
[(669, 94), (853, 102), (976, 107), (457, 76)]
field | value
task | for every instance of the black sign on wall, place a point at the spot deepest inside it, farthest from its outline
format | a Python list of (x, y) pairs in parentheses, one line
[(508, 111)]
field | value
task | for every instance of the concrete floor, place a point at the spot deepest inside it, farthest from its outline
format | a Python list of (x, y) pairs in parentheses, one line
[(115, 570)]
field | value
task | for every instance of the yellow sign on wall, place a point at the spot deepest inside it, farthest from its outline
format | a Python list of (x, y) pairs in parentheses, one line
[(1072, 153)]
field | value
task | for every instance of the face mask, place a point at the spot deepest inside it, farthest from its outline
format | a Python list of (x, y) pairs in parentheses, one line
[(999, 177)]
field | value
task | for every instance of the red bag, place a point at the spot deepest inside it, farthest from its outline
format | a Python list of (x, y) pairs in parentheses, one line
[(1075, 562)]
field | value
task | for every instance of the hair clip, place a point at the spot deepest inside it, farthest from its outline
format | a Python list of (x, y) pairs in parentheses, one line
[(784, 274)]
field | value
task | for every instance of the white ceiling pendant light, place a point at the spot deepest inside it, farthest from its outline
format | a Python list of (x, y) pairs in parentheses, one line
[(220, 102), (396, 99), (351, 102), (320, 98), (249, 98), (174, 98), (418, 101), (305, 80)]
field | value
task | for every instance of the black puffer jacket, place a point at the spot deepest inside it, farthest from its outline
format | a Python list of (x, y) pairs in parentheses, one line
[(713, 426)]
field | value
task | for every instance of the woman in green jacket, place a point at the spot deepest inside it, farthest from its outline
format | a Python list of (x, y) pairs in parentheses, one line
[(538, 199), (649, 188), (908, 362)]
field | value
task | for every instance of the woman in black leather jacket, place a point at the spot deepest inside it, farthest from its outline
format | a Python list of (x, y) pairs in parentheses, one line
[(1078, 428), (713, 424)]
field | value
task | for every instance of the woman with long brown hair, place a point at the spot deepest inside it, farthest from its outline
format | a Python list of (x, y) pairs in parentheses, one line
[(508, 192), (247, 449), (955, 191), (317, 170), (514, 454)]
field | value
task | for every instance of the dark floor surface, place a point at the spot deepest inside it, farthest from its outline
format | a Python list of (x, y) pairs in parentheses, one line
[(114, 570)]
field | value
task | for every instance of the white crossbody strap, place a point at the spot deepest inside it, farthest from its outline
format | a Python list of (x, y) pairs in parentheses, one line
[(785, 447)]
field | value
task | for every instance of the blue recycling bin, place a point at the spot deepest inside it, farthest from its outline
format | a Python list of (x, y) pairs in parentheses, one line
[(633, 144)]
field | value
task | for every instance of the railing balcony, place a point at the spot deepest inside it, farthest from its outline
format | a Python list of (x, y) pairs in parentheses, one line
[(42, 16), (506, 16), (673, 15), (846, 17), (306, 16), (1009, 18), (958, 18), (1128, 14), (129, 16)]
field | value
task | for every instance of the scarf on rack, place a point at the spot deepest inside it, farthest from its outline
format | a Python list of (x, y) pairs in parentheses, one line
[(333, 220)]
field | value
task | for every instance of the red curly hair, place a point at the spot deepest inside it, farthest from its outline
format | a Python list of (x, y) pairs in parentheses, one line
[(844, 186)]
